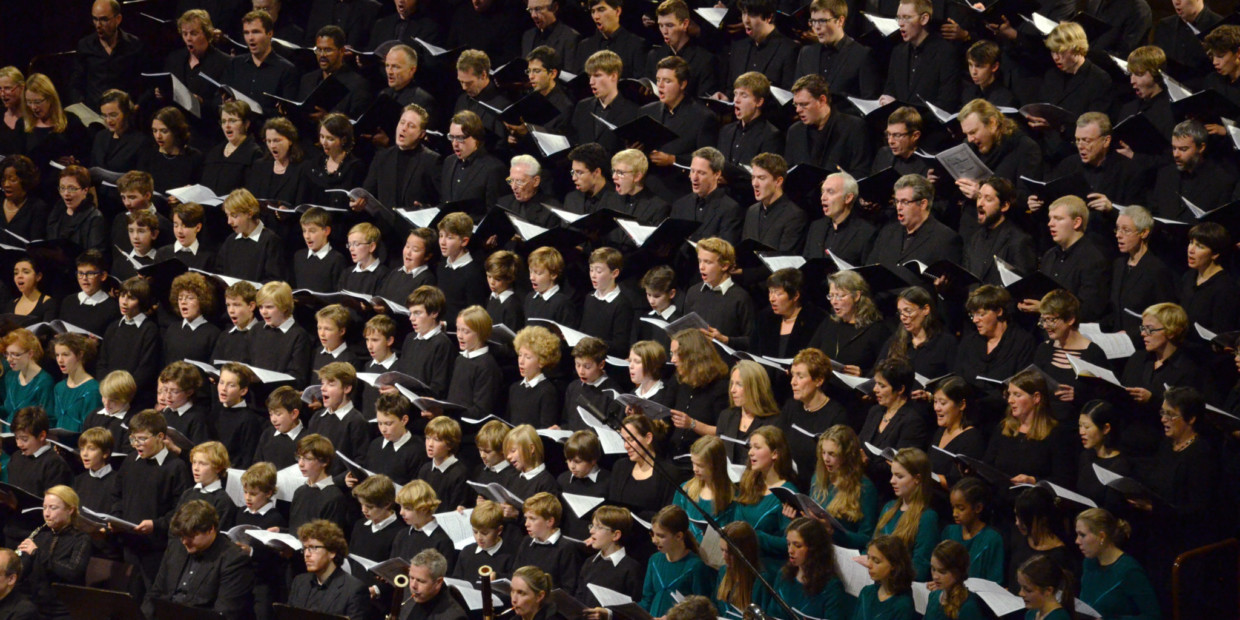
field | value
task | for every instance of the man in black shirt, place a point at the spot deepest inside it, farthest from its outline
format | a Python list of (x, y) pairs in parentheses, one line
[(764, 49), (672, 17), (480, 96), (527, 200), (262, 70), (916, 235), (355, 17), (840, 233), (400, 65), (201, 568), (995, 140), (848, 66), (924, 66), (329, 49), (1073, 261), (693, 123), (428, 598), (903, 139), (1178, 36), (590, 176), (406, 175), (543, 69), (822, 137), (13, 604), (470, 172), (752, 133), (1191, 177), (325, 587), (548, 29), (604, 69), (409, 22), (708, 203), (110, 58), (995, 234), (774, 220), (613, 37)]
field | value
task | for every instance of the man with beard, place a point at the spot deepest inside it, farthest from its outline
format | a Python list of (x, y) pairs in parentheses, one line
[(997, 235), (110, 58), (1190, 177), (840, 233), (329, 50)]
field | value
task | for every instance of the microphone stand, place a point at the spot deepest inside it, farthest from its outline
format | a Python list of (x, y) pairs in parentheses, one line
[(617, 424)]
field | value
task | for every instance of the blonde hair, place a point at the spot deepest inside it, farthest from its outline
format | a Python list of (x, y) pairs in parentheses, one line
[(633, 158), (241, 202), (917, 464), (66, 495), (40, 84), (847, 481), (446, 430), (525, 439), (477, 319), (757, 385), (544, 505), (1068, 37), (714, 453), (278, 293), (215, 453), (418, 495), (541, 342)]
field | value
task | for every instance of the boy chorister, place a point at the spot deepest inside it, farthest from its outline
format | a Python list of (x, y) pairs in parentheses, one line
[(611, 567), (592, 383), (368, 271), (659, 285), (132, 343), (340, 421), (34, 468), (187, 218), (550, 299), (606, 313), (428, 353), (719, 300), (444, 472), (319, 497), (208, 464), (535, 400), (546, 547), (96, 485), (397, 452), (237, 425), (234, 345), (372, 536), (477, 381), (488, 548), (259, 486), (380, 336), (192, 337), (318, 267), (280, 344), (493, 466), (582, 452), (91, 308), (178, 386), (278, 443), (504, 305), (462, 280), (415, 269), (253, 253), (332, 325), (418, 503), (117, 391)]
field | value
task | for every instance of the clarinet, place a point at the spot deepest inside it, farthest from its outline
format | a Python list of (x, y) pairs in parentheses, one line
[(488, 606), (32, 534)]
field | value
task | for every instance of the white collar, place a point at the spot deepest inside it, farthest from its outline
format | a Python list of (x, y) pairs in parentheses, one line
[(99, 297), (597, 382), (500, 466), (654, 389), (210, 488), (119, 415), (135, 254), (548, 293), (614, 558), (386, 363), (184, 407), (430, 334), (443, 467), (415, 271), (399, 443), (161, 456), (551, 540), (41, 451), (723, 287), (336, 352), (529, 383), (610, 296), (429, 528), (375, 528), (666, 313), (102, 471), (374, 264), (321, 253), (286, 325), (490, 550), (462, 260), (321, 484), (254, 234), (292, 433), (194, 324), (243, 330), (239, 405), (264, 509), (502, 297), (593, 475), (469, 355), (529, 475), (136, 321), (341, 412), (191, 248)]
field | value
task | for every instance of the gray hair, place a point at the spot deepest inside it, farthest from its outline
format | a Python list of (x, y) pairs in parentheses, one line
[(531, 165), (1095, 118), (922, 188), (431, 560), (850, 183), (1190, 129), (712, 155), (1140, 217)]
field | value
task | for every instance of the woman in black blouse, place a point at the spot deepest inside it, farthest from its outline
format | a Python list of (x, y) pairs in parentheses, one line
[(956, 433), (634, 482), (753, 406), (225, 165), (51, 134), (1029, 444), (856, 331), (278, 176), (1040, 530), (120, 145), (1099, 428), (1162, 362), (1059, 312), (57, 553), (995, 349), (335, 168), (12, 87), (701, 388), (895, 422), (173, 162), (810, 412), (921, 340), (76, 218), (30, 300), (1208, 293), (787, 326), (24, 213)]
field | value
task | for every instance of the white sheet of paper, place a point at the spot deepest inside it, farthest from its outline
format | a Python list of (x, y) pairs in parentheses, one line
[(581, 504), (1117, 345), (854, 575), (610, 439)]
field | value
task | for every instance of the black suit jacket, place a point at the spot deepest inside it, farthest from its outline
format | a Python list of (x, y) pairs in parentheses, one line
[(481, 176), (765, 340), (342, 595), (848, 67), (398, 186), (850, 242), (776, 58), (932, 242), (780, 226), (931, 70), (842, 143), (223, 583)]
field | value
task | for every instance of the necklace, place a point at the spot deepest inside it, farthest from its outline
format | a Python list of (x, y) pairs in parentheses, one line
[(1180, 447)]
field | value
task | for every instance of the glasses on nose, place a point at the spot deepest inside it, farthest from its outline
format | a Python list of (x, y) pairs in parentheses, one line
[(137, 440), (353, 245), (456, 138), (1127, 232), (576, 174), (1087, 141), (1169, 415), (1147, 330), (517, 183), (897, 134), (312, 548), (69, 189), (906, 19), (907, 313), (88, 274), (906, 203), (621, 173), (167, 391), (35, 102), (11, 355), (837, 296), (1048, 321), (818, 22)]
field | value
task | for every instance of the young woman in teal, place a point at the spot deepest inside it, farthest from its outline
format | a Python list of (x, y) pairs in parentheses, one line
[(985, 545), (891, 568), (841, 487), (1046, 589), (710, 485), (1112, 582), (909, 516), (77, 396), (770, 465), (737, 586), (676, 566), (810, 581), (25, 385), (949, 599)]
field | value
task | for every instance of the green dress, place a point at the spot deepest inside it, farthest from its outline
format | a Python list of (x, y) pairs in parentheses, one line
[(1120, 591), (970, 610), (898, 607), (923, 544), (72, 405), (695, 517), (768, 520), (985, 551), (830, 602), (1058, 614), (686, 576), (859, 532), (759, 596), (36, 393)]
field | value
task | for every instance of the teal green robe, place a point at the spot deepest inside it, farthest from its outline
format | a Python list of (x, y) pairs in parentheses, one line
[(1121, 591), (898, 607), (72, 405), (986, 559), (923, 544)]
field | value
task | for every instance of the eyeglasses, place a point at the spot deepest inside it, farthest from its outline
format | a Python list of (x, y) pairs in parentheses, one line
[(837, 296), (168, 391), (1170, 415), (576, 174), (1127, 232), (456, 138), (906, 18), (517, 183), (88, 274), (353, 245), (35, 102), (1088, 141), (69, 189), (594, 527), (11, 355), (616, 172), (313, 548), (1048, 321), (137, 440), (818, 22), (906, 313), (906, 203), (898, 134), (1146, 330)]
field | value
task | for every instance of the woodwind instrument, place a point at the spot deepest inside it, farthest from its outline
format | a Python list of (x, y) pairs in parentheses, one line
[(488, 606), (32, 534), (398, 596)]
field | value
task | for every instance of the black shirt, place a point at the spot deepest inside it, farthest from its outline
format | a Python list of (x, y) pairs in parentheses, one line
[(848, 66), (276, 75)]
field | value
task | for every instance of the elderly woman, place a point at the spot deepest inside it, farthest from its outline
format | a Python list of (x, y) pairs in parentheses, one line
[(120, 146), (12, 87), (787, 326), (855, 333), (1139, 278), (225, 165), (809, 412), (76, 217), (628, 174), (1160, 362), (173, 162), (921, 340), (25, 214), (1059, 312), (335, 168)]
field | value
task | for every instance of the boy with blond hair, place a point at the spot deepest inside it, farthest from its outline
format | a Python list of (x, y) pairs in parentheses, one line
[(546, 547), (208, 464), (368, 271), (488, 548), (286, 347), (117, 391), (252, 252), (535, 400), (418, 504)]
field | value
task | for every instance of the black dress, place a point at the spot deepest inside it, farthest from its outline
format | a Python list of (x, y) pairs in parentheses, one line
[(907, 429), (970, 442), (316, 180), (802, 429), (224, 173), (643, 498)]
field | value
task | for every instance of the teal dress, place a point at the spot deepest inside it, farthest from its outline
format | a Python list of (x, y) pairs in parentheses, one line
[(1058, 614), (898, 607), (830, 602), (985, 551), (768, 520), (72, 405), (759, 596), (923, 544), (687, 576), (695, 517), (859, 532), (1120, 591), (970, 610), (36, 393)]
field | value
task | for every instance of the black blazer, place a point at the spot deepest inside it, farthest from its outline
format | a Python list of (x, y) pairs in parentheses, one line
[(397, 185), (765, 340), (932, 242), (224, 584)]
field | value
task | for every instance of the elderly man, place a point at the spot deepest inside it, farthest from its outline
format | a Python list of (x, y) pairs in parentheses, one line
[(13, 604), (839, 233), (528, 200), (110, 58), (427, 598), (916, 235), (201, 568)]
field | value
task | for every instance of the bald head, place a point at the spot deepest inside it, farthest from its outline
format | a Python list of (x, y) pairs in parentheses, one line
[(106, 16)]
